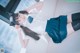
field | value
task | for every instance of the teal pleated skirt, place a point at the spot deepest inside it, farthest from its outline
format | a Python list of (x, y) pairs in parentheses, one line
[(57, 28)]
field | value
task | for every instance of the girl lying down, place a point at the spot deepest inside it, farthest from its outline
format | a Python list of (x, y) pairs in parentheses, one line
[(60, 27), (57, 28), (18, 23)]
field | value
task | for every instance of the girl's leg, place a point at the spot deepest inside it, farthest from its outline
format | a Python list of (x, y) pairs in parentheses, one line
[(74, 22), (69, 19), (76, 25), (73, 17), (72, 27)]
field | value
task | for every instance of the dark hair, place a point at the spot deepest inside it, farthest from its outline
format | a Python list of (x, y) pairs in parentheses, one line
[(23, 12), (15, 15), (14, 22), (37, 0), (26, 30)]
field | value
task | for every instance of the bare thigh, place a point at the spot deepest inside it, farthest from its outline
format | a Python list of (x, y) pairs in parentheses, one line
[(70, 29), (69, 18)]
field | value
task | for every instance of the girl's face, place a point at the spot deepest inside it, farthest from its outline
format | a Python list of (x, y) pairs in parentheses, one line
[(21, 18)]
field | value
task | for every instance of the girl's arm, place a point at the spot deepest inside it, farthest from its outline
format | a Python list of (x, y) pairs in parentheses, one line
[(38, 6), (23, 41)]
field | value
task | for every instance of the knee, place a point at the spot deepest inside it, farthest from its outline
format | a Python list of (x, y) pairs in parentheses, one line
[(76, 25)]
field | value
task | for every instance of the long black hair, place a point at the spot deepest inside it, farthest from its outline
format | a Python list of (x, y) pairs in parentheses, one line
[(26, 30)]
